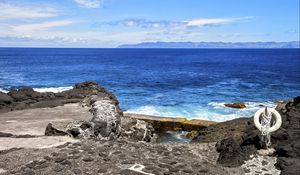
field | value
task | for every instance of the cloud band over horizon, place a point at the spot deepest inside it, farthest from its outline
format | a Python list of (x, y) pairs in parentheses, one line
[(86, 23)]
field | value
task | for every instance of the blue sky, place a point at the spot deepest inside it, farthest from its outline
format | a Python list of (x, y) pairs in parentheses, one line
[(109, 23)]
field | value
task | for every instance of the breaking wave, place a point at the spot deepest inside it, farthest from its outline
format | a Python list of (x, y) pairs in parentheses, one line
[(53, 89), (214, 111), (3, 90), (153, 110), (45, 89)]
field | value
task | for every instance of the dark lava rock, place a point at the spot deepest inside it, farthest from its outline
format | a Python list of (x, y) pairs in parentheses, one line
[(5, 99), (287, 139), (3, 134), (75, 132), (88, 159), (236, 149), (65, 162), (24, 94), (236, 140), (235, 105), (25, 98), (225, 130), (246, 140), (85, 125), (5, 102), (51, 131), (162, 124)]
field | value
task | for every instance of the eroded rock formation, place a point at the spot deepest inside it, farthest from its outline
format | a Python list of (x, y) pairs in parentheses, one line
[(238, 139), (235, 105)]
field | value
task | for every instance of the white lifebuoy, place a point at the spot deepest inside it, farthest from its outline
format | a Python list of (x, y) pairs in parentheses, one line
[(277, 116)]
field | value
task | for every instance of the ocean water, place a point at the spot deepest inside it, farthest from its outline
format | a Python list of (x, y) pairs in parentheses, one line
[(192, 83)]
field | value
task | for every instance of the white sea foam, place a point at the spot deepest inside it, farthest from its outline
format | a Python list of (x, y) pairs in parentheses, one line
[(53, 89), (179, 135), (260, 104), (147, 110), (3, 90), (218, 113), (155, 110), (192, 113), (46, 89), (216, 104)]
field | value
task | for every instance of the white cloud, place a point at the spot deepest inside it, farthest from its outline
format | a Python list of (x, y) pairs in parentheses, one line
[(12, 11), (164, 24), (130, 23), (214, 21), (209, 21), (31, 28), (89, 3)]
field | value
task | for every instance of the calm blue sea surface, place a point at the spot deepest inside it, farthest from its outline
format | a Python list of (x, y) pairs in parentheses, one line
[(192, 83)]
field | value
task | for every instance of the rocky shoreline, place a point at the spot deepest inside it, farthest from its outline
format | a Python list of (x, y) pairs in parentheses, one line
[(103, 140)]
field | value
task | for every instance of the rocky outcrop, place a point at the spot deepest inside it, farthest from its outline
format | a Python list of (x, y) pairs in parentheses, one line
[(235, 105), (236, 147), (236, 140), (286, 140), (108, 124), (223, 130), (26, 98), (172, 124), (5, 99), (51, 131), (105, 123), (137, 130)]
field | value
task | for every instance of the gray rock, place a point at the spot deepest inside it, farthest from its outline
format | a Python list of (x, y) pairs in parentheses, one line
[(26, 98), (286, 141), (106, 119), (24, 94), (51, 131), (5, 99), (137, 130)]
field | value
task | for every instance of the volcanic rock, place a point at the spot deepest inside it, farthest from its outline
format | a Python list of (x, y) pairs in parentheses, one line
[(137, 130), (235, 105), (235, 149), (25, 98), (286, 140), (51, 131), (5, 99), (172, 124)]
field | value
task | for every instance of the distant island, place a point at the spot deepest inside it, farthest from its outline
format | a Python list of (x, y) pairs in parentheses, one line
[(292, 44)]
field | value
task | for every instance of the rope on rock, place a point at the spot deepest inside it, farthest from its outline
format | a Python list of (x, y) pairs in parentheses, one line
[(263, 121), (265, 127)]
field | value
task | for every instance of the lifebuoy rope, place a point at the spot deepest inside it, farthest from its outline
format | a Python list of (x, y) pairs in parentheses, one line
[(262, 121)]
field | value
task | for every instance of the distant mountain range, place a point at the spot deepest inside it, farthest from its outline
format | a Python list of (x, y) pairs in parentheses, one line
[(292, 44)]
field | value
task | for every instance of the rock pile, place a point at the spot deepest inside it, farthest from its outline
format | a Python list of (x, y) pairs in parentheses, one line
[(287, 139), (107, 123), (238, 139), (28, 98)]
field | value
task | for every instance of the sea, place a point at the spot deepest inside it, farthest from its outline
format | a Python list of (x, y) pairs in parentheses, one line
[(191, 83)]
